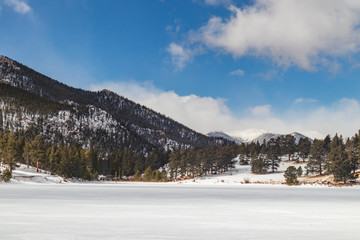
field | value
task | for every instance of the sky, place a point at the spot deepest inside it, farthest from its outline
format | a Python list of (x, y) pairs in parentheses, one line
[(213, 65)]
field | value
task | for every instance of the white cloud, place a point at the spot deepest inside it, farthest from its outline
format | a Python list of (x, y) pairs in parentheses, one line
[(305, 100), (260, 111), (206, 114), (179, 55), (305, 33), (238, 72), (200, 113), (19, 6)]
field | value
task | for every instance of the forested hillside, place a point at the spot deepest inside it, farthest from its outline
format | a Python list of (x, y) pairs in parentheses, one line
[(157, 129), (84, 133)]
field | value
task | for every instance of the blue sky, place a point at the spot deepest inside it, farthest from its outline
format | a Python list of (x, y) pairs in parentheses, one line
[(227, 65)]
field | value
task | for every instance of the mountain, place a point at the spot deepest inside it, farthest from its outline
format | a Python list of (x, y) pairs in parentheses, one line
[(225, 136), (31, 101), (268, 136), (255, 135)]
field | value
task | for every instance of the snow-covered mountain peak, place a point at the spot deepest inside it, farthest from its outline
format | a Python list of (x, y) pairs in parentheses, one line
[(225, 136), (253, 135)]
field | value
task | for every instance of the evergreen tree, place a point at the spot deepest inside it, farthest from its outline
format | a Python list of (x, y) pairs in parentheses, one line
[(156, 175), (11, 153), (26, 153), (258, 164), (288, 145), (128, 163), (54, 158), (352, 153), (93, 159), (291, 175), (37, 151), (299, 171), (6, 175), (137, 176), (327, 142), (147, 176), (174, 164), (304, 147), (20, 144), (273, 154), (337, 161), (317, 157), (2, 146), (243, 158), (164, 176)]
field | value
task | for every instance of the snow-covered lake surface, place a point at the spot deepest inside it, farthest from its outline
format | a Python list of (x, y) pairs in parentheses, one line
[(177, 211)]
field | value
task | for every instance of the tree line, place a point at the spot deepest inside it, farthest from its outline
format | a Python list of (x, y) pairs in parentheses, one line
[(323, 156), (190, 163)]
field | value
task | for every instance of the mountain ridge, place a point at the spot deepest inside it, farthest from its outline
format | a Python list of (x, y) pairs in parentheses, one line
[(255, 136), (152, 127)]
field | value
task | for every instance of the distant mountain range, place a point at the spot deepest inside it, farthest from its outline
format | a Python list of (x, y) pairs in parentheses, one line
[(31, 101), (254, 135)]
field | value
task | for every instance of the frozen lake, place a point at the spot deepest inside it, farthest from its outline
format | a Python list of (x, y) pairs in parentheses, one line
[(170, 211)]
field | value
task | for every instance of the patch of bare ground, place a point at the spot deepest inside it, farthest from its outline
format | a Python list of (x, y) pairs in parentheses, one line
[(324, 180)]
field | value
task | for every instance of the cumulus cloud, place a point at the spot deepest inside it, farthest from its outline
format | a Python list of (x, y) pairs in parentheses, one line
[(179, 55), (200, 113), (238, 72), (19, 6), (306, 33), (206, 114)]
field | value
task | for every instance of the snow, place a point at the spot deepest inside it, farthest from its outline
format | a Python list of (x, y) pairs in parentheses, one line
[(242, 173), (177, 211), (63, 121), (22, 174), (254, 135), (248, 135)]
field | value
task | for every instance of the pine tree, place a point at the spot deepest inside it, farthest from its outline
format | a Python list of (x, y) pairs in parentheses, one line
[(20, 143), (93, 159), (156, 175), (258, 164), (54, 158), (288, 145), (6, 175), (304, 147), (2, 146), (37, 151), (273, 154), (147, 176), (327, 142), (337, 161), (174, 164), (352, 153), (291, 175), (299, 171), (128, 163), (137, 176), (11, 151), (26, 153), (317, 157), (164, 176)]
